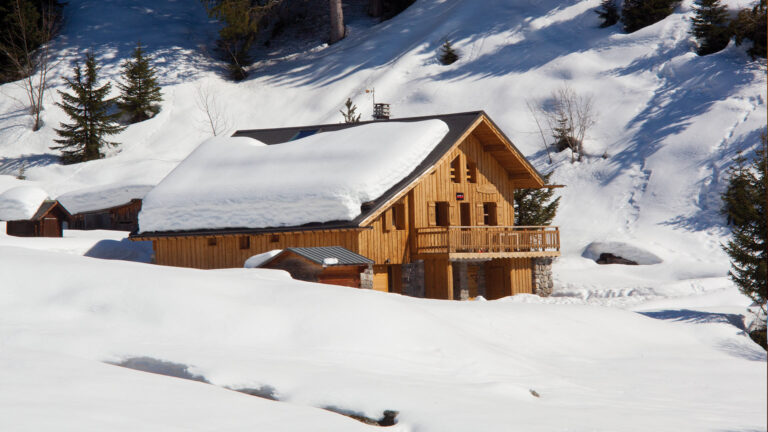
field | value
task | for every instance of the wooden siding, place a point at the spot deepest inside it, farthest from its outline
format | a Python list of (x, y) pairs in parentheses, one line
[(508, 276), (385, 243), (199, 252)]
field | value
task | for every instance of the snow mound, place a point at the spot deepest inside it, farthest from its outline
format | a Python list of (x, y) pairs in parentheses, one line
[(624, 250), (257, 260), (102, 197), (239, 182), (21, 202)]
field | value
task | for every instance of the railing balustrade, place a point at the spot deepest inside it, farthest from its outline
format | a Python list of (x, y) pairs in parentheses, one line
[(479, 239)]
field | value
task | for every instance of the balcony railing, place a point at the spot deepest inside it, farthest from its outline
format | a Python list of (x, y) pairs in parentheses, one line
[(487, 239)]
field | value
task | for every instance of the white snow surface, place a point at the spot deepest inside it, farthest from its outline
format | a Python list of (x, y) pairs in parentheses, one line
[(102, 197), (21, 202), (624, 250), (259, 259), (240, 182)]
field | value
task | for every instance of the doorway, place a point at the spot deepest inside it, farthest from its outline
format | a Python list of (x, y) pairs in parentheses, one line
[(466, 213)]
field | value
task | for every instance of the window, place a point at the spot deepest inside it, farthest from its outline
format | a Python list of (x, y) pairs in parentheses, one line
[(245, 242), (442, 214), (489, 213), (398, 216), (211, 241), (456, 170), (274, 238), (471, 171)]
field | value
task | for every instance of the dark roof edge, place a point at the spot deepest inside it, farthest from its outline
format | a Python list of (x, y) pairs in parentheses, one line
[(347, 225)]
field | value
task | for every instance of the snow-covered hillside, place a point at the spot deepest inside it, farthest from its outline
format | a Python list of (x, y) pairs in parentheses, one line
[(669, 124)]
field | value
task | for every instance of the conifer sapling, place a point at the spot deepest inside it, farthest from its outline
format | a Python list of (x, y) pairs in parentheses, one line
[(350, 116), (88, 108), (448, 55), (140, 93)]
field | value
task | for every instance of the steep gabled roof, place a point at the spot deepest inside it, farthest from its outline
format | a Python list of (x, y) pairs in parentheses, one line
[(459, 125), (47, 207)]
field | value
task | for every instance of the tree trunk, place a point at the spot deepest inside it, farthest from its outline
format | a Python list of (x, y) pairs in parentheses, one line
[(375, 8), (337, 22)]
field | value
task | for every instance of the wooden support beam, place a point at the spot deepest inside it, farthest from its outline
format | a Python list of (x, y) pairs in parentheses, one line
[(495, 147)]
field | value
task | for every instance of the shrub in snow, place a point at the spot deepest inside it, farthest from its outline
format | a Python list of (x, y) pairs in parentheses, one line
[(636, 14), (88, 108), (448, 55), (608, 12), (710, 26), (350, 115), (140, 93), (751, 24)]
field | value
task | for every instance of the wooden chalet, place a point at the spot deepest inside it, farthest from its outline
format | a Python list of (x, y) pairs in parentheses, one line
[(123, 217), (48, 221), (444, 231)]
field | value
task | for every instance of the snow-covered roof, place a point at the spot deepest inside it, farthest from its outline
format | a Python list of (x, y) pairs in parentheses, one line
[(21, 202), (102, 197), (327, 176)]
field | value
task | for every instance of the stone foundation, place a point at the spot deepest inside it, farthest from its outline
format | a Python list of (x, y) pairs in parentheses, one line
[(413, 279), (542, 276)]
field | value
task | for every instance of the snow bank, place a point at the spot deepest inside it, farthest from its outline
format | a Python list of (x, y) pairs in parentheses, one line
[(21, 202), (239, 182), (102, 197), (261, 258), (624, 250)]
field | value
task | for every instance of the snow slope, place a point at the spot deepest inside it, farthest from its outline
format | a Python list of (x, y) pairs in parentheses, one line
[(445, 366)]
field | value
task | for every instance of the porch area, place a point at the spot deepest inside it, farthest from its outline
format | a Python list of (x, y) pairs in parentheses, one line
[(486, 242)]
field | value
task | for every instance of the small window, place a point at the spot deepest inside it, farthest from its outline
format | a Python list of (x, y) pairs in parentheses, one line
[(211, 241), (274, 238), (245, 242), (456, 170), (398, 216), (489, 214), (442, 214), (471, 171)]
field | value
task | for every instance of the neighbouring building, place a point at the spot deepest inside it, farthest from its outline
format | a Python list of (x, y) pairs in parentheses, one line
[(325, 264), (48, 221), (428, 199)]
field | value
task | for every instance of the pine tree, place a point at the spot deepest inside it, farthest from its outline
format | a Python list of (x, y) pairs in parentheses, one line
[(533, 207), (710, 26), (608, 12), (140, 93), (351, 115), (751, 24), (88, 108), (636, 14), (747, 247), (448, 54)]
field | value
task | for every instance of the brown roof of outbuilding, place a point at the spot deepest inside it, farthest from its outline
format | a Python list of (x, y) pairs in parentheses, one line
[(458, 125), (48, 206)]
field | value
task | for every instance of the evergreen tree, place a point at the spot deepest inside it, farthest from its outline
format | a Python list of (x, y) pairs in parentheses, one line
[(747, 247), (534, 207), (88, 108), (636, 14), (140, 93), (562, 132), (608, 12), (350, 116), (710, 26), (448, 54), (751, 24)]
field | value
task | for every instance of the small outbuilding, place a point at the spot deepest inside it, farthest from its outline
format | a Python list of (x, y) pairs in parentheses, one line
[(328, 264), (48, 221)]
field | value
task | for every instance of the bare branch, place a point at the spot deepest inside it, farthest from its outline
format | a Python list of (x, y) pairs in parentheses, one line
[(215, 118)]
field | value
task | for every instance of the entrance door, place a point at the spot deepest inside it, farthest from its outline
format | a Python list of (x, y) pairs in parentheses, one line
[(51, 227)]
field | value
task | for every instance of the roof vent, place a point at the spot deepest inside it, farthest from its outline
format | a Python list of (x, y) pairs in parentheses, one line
[(381, 111)]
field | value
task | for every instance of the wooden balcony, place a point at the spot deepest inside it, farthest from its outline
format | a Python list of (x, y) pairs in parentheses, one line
[(469, 242)]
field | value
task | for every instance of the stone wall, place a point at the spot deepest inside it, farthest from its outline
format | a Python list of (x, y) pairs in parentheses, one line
[(542, 276)]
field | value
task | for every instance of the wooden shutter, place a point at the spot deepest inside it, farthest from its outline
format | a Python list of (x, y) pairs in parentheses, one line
[(431, 214), (479, 214), (453, 215), (386, 220)]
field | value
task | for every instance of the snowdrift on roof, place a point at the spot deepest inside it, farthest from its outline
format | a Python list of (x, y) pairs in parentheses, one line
[(21, 203), (242, 183), (102, 197)]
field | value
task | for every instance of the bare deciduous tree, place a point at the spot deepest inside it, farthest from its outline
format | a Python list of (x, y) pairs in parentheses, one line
[(215, 117), (33, 66), (568, 117)]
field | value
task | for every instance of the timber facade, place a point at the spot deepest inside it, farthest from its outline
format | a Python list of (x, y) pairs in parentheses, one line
[(446, 231)]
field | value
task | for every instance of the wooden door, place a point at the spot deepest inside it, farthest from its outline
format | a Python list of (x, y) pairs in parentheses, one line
[(466, 211), (494, 280), (51, 227)]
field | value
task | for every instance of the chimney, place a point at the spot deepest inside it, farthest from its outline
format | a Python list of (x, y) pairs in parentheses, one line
[(381, 111)]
